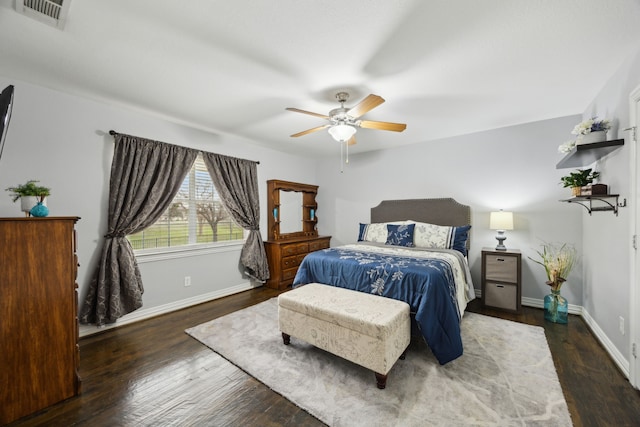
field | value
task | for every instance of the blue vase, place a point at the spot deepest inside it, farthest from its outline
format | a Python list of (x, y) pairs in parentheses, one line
[(556, 308), (39, 210)]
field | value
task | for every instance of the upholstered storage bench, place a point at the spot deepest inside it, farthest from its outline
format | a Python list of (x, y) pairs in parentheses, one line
[(369, 330)]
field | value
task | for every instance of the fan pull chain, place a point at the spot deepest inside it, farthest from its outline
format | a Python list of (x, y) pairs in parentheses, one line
[(347, 144), (344, 155)]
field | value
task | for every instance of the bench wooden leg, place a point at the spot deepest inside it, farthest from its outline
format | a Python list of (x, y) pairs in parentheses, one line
[(381, 381), (286, 338)]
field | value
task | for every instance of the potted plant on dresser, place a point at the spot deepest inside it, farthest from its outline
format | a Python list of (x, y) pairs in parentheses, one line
[(32, 197), (578, 179)]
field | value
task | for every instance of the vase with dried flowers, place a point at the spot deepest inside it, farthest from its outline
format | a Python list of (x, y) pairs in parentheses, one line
[(557, 260)]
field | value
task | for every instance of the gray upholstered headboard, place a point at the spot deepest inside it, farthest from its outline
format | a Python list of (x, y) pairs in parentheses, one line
[(445, 211)]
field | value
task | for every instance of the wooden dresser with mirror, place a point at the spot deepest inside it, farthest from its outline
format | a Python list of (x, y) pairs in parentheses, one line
[(292, 233)]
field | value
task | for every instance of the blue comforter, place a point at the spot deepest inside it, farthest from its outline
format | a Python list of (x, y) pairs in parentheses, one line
[(427, 285)]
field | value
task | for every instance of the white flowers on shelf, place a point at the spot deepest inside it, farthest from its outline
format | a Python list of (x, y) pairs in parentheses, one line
[(591, 125), (588, 131), (566, 147)]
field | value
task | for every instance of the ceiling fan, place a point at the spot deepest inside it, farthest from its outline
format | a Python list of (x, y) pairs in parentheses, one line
[(343, 122)]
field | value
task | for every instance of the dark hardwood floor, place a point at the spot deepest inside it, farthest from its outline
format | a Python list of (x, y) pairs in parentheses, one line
[(152, 373)]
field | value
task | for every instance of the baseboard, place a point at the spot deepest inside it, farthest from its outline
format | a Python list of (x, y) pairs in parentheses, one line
[(621, 362), (143, 314), (538, 303), (614, 353)]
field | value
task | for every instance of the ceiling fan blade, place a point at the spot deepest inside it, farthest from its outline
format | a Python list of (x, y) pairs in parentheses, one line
[(297, 110), (308, 131), (352, 141), (369, 124), (367, 104)]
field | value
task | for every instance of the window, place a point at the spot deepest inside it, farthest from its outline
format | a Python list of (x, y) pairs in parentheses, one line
[(196, 216)]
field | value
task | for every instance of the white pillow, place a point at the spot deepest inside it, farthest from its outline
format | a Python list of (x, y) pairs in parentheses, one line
[(376, 232), (434, 236), (427, 235)]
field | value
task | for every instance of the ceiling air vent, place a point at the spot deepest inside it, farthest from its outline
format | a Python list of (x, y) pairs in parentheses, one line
[(52, 12)]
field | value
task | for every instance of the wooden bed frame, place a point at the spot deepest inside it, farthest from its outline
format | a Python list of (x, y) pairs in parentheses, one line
[(444, 211)]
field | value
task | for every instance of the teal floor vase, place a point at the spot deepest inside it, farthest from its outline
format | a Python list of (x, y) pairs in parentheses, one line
[(556, 308)]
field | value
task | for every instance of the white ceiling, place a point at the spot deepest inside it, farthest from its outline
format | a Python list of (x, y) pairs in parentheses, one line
[(445, 67)]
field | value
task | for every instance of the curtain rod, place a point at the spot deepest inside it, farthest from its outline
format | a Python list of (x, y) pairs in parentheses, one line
[(113, 132)]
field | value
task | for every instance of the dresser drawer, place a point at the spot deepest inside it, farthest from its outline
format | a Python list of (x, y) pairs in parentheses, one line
[(318, 244), (291, 261), (502, 268), (501, 296), (289, 274), (295, 249)]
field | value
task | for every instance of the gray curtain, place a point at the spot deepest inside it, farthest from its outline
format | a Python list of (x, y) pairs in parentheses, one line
[(237, 182), (145, 176)]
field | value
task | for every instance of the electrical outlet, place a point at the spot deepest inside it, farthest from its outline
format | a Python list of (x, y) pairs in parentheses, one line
[(621, 322), (187, 280)]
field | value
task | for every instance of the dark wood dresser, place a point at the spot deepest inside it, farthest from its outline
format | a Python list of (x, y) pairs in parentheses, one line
[(285, 256), (39, 352), (286, 249)]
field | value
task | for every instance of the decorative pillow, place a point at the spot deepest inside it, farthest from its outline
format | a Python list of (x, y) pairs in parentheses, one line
[(460, 237), (441, 236), (431, 235), (373, 233), (363, 232), (400, 234), (376, 232)]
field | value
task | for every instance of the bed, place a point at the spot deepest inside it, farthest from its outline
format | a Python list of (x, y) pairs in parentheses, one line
[(414, 251)]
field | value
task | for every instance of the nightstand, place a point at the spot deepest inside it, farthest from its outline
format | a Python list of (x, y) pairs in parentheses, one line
[(502, 279)]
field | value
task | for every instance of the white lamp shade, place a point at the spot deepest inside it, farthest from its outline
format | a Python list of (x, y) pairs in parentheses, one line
[(342, 132), (501, 220)]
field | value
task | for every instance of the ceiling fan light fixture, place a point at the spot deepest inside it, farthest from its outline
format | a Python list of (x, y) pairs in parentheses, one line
[(342, 132)]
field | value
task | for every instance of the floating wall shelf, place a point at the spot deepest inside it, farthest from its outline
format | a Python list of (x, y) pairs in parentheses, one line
[(585, 154)]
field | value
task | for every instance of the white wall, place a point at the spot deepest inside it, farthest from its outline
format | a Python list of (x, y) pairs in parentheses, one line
[(62, 141), (511, 168), (607, 239)]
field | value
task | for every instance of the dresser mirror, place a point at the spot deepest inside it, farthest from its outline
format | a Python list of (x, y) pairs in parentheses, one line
[(291, 209), (290, 214)]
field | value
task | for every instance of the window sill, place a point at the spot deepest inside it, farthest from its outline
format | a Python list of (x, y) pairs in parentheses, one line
[(161, 254)]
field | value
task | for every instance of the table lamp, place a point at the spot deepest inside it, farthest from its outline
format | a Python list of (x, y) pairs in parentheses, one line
[(501, 221)]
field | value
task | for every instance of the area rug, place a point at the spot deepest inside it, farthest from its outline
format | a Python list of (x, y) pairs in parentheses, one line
[(505, 377)]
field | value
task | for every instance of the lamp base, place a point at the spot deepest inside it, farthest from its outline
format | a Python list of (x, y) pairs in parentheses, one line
[(501, 238)]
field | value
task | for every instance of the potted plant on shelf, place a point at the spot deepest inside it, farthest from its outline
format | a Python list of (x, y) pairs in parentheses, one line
[(578, 179), (31, 195)]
